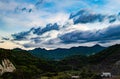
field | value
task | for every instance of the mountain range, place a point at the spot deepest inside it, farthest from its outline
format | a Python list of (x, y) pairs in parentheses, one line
[(31, 67), (60, 53)]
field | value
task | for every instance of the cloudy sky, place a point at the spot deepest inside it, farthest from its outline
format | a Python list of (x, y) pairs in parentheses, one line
[(54, 24)]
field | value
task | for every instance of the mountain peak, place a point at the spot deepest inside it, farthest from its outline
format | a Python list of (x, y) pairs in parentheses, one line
[(97, 45), (18, 49)]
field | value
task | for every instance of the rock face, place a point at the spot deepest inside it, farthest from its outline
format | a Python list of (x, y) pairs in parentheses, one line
[(6, 66)]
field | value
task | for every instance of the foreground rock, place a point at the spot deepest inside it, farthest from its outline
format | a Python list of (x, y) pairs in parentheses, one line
[(6, 66)]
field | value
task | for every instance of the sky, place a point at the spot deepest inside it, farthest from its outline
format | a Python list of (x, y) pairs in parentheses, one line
[(54, 24)]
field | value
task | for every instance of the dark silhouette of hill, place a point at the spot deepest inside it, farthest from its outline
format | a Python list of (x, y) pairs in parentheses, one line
[(108, 56), (60, 53)]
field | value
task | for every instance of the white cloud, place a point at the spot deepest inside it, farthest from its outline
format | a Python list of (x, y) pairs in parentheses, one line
[(25, 20)]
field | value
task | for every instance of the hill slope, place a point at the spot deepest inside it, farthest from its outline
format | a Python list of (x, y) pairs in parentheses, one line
[(109, 55), (27, 66), (107, 60)]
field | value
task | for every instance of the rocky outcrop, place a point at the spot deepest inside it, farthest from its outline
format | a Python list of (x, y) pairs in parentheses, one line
[(6, 66)]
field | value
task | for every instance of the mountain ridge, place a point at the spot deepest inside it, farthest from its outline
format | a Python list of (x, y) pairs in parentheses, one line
[(61, 53)]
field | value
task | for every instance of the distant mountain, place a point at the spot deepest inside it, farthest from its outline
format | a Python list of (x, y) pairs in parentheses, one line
[(62, 53)]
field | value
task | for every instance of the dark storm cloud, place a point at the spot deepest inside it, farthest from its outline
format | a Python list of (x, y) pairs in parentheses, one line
[(110, 33), (85, 16), (37, 31)]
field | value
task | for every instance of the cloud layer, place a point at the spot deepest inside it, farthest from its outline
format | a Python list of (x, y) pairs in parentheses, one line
[(101, 36), (70, 33)]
